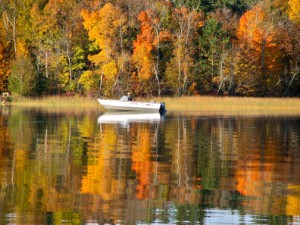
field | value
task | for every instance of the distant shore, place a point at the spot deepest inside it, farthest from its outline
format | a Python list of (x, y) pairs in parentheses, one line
[(193, 104)]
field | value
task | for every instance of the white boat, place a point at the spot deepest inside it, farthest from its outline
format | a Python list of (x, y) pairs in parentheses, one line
[(124, 105), (128, 117)]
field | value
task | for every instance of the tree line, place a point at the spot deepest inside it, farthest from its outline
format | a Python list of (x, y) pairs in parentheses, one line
[(150, 48)]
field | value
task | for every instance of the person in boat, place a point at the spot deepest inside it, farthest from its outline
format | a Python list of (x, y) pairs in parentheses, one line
[(129, 97)]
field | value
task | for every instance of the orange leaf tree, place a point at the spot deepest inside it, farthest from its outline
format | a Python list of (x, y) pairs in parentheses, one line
[(259, 58), (142, 51), (148, 47)]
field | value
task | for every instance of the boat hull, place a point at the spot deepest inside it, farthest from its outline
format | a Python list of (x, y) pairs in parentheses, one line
[(119, 105)]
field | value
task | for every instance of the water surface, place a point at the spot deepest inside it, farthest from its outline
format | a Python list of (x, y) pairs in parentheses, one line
[(92, 168)]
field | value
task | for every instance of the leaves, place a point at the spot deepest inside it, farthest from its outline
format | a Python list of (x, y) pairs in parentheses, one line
[(187, 24), (258, 41), (294, 10), (5, 59), (142, 48), (154, 48), (104, 28), (22, 80), (88, 80)]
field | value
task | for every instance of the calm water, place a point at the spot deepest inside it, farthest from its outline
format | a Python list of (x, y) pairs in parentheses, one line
[(90, 168)]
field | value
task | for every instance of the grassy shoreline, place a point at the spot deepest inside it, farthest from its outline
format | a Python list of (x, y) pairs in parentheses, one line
[(56, 102), (194, 104), (235, 105)]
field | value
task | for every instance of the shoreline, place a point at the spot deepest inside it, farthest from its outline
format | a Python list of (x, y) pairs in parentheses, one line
[(237, 105), (185, 104)]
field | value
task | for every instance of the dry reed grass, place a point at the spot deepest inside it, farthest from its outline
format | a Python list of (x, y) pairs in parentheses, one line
[(73, 102), (234, 105), (194, 104)]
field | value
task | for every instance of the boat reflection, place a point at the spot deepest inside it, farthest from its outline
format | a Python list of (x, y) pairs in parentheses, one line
[(128, 117)]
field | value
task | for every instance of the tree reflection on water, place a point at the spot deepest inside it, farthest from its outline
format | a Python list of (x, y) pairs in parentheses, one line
[(64, 167)]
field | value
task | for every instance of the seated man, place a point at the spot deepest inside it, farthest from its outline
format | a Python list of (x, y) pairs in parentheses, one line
[(129, 96)]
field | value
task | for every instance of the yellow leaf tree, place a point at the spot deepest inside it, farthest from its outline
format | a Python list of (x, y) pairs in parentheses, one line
[(294, 10), (105, 28), (58, 37)]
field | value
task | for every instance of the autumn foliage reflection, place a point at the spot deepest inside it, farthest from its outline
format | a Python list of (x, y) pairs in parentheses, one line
[(70, 166)]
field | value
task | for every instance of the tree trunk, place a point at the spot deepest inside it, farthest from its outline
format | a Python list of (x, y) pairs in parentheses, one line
[(69, 60), (100, 85), (46, 64), (156, 66), (263, 67), (221, 72), (297, 70)]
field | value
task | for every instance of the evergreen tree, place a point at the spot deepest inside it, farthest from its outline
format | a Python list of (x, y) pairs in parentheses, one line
[(213, 44)]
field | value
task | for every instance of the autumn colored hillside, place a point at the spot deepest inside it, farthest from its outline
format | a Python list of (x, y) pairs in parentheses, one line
[(151, 48)]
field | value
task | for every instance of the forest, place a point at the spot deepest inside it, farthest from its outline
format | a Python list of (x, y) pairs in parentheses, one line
[(150, 48)]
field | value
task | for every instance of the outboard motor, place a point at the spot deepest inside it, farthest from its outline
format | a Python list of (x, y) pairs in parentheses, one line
[(162, 108)]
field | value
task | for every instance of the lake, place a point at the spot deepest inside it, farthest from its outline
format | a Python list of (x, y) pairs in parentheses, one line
[(66, 167)]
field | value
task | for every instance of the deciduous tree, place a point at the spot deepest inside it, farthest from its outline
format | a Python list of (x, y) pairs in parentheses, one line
[(294, 10), (106, 28), (58, 34), (46, 46), (5, 60), (143, 46), (147, 48), (180, 69), (260, 59), (22, 80), (6, 56), (161, 19), (289, 43), (9, 12)]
